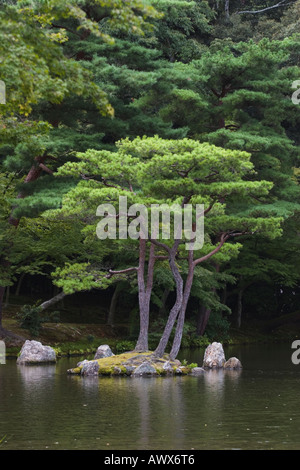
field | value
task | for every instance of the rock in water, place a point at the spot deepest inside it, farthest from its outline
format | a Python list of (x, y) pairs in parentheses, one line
[(103, 351), (144, 369), (33, 352), (233, 363), (214, 356), (198, 371), (90, 368)]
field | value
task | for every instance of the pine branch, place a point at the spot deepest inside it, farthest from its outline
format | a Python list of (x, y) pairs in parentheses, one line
[(122, 271), (279, 4), (45, 168)]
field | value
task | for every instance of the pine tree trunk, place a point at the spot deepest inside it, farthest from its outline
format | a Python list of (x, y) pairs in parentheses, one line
[(52, 301), (181, 318), (145, 290), (160, 350), (142, 342)]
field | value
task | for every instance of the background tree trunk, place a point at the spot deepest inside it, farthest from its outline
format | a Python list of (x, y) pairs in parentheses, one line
[(227, 12), (203, 317), (113, 304), (19, 285), (7, 291), (239, 308), (162, 309), (52, 301)]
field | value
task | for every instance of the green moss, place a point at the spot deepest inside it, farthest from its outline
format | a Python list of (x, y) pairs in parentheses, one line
[(118, 364), (105, 370)]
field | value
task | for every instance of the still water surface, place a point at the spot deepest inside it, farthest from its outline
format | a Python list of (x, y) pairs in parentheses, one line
[(42, 407)]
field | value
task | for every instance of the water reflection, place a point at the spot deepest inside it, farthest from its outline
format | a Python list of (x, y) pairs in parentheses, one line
[(44, 407), (149, 408), (34, 375)]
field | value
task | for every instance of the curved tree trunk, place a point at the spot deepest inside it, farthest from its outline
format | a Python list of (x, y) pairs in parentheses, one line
[(52, 301), (181, 318), (145, 290), (159, 351)]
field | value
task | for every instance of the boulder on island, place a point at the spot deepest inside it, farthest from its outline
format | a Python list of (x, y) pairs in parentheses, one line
[(103, 351), (33, 352), (145, 369), (233, 363), (214, 357)]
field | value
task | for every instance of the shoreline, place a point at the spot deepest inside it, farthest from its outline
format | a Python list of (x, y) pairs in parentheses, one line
[(79, 340)]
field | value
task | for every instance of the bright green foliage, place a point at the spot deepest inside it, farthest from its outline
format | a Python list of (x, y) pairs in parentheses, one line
[(34, 67), (79, 276), (40, 77), (154, 170)]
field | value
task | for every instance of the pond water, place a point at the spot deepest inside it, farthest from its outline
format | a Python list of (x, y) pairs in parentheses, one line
[(42, 407)]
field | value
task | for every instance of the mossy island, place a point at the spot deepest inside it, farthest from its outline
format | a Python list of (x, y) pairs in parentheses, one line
[(132, 363), (146, 363)]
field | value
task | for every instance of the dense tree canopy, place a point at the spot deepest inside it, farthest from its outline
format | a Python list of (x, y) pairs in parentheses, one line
[(164, 102)]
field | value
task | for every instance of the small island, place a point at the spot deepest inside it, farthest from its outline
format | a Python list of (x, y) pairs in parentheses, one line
[(134, 363)]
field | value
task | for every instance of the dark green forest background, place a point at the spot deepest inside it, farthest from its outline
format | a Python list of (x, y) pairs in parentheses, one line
[(86, 74)]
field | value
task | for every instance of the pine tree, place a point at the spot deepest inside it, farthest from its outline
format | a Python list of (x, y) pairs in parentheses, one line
[(156, 171)]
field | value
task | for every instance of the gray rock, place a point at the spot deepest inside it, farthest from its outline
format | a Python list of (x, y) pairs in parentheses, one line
[(129, 369), (167, 367), (144, 369), (103, 351), (82, 362), (33, 352), (90, 368), (233, 363), (214, 356), (197, 371)]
